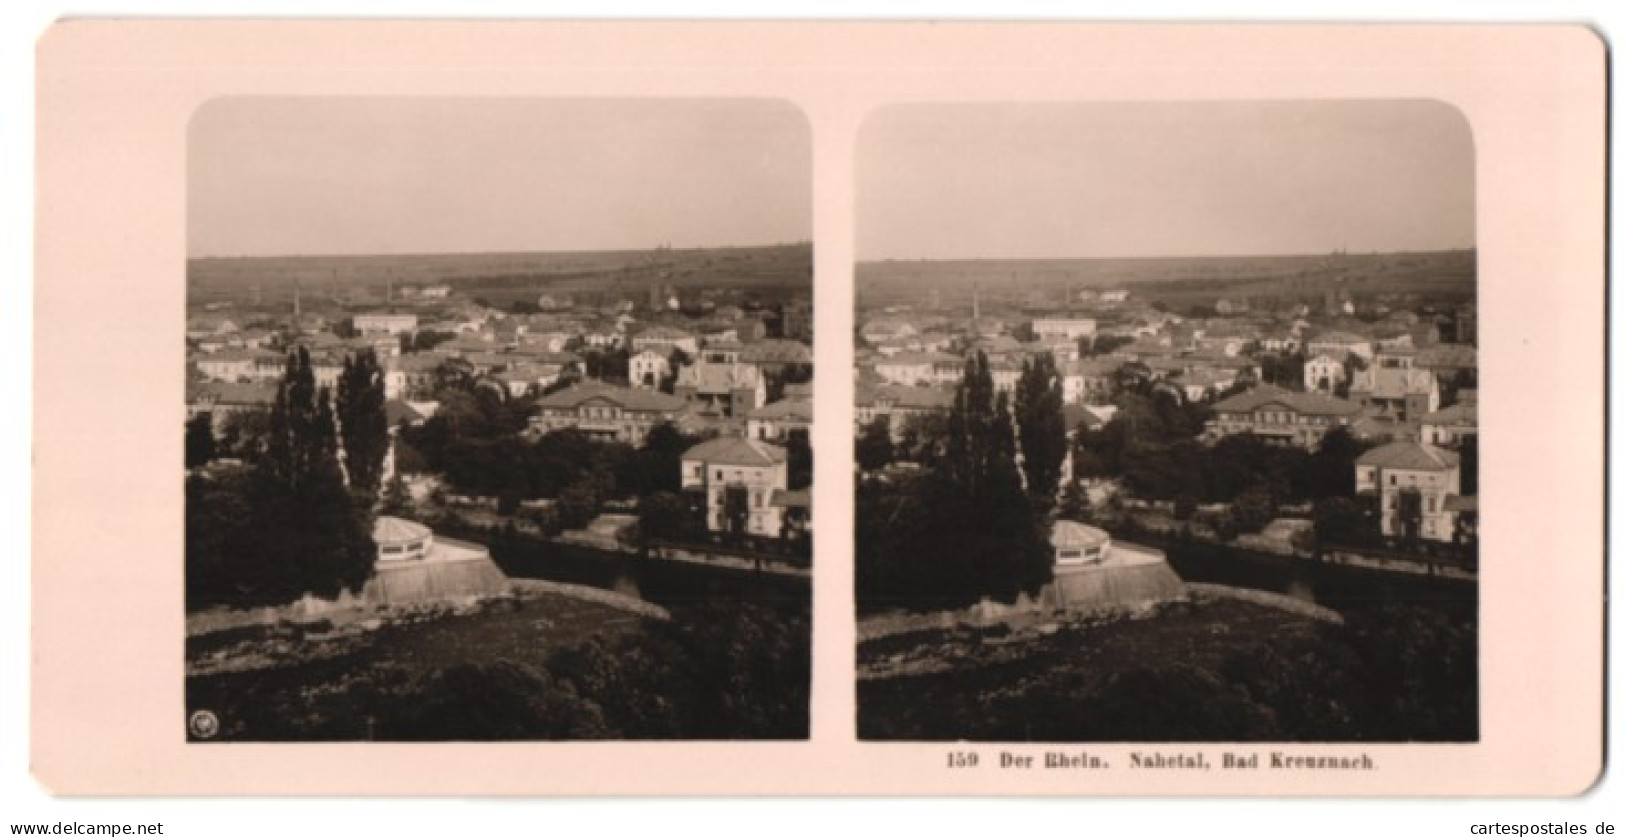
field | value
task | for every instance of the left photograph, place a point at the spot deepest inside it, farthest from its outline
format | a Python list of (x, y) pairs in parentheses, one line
[(498, 419)]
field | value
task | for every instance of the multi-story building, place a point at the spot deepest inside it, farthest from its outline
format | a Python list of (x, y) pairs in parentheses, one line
[(664, 339), (1292, 418), (1006, 374), (881, 331), (620, 414), (739, 480), (220, 400), (1323, 372), (1088, 380), (919, 368), (1401, 393), (900, 405), (1339, 344), (227, 364), (718, 384), (1070, 328), (1413, 483), (386, 323), (775, 422), (648, 368), (1205, 382), (1060, 348), (1451, 426), (1447, 360), (417, 373)]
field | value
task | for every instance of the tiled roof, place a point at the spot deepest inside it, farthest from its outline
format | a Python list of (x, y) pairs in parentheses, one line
[(394, 530), (786, 408), (1307, 403), (660, 332), (1454, 414), (719, 377), (917, 359), (1066, 533), (416, 362), (1410, 456), (237, 356), (555, 358), (918, 398), (230, 393), (1206, 377), (642, 400), (1340, 338), (1392, 383), (1078, 416), (397, 411), (736, 451), (1095, 367), (1447, 355)]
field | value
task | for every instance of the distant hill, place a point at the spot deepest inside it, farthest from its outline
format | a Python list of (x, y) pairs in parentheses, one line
[(630, 271), (1444, 274)]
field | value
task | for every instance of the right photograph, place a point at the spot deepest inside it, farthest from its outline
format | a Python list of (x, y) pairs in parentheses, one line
[(1166, 422)]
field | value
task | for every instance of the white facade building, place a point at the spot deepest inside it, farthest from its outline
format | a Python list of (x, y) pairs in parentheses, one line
[(738, 477)]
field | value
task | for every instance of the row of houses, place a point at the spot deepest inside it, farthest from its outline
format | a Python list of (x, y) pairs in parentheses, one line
[(1302, 419)]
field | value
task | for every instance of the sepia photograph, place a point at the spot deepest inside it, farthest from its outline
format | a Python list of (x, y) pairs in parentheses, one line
[(498, 419), (1166, 423), (1150, 461)]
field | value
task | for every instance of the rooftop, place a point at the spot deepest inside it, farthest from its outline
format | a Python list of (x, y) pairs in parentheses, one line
[(1341, 338), (786, 408), (1454, 414), (776, 351), (394, 530), (1307, 403), (736, 451), (917, 359), (627, 398), (1409, 456), (1382, 382)]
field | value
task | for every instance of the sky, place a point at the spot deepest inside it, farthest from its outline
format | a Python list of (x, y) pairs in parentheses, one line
[(1124, 180), (309, 176)]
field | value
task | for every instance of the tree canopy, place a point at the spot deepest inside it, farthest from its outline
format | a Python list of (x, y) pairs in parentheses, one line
[(967, 529), (288, 526), (364, 431), (1041, 426)]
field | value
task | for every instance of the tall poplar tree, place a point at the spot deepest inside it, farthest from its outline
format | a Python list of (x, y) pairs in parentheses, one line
[(363, 429), (1041, 427), (309, 534), (984, 538)]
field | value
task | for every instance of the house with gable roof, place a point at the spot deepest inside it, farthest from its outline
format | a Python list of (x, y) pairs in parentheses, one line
[(621, 414), (1414, 484), (1301, 419), (739, 480)]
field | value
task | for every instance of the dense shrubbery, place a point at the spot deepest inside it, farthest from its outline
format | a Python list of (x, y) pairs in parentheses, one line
[(731, 670), (474, 441), (964, 530), (1391, 674), (288, 524)]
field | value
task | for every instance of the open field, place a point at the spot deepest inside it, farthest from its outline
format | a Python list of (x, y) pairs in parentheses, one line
[(500, 275), (1444, 275)]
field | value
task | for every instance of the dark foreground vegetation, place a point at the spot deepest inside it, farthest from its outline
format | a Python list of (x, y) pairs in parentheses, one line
[(533, 669), (1214, 671)]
